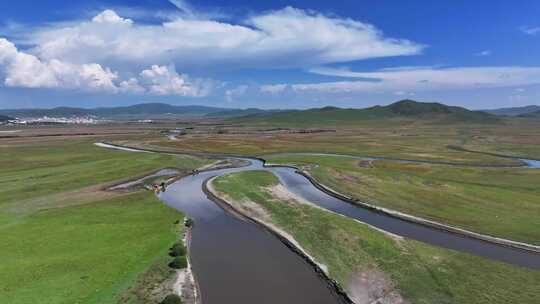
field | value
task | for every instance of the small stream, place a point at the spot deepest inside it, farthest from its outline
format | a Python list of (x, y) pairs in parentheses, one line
[(237, 262)]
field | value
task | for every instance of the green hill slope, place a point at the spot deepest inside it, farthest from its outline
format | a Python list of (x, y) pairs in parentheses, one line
[(515, 111), (401, 110), (531, 115)]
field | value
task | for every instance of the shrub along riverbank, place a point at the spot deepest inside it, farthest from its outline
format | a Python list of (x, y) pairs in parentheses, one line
[(371, 264)]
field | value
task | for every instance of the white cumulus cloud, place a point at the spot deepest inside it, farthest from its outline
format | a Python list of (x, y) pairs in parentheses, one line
[(25, 70), (285, 38), (163, 80), (110, 16)]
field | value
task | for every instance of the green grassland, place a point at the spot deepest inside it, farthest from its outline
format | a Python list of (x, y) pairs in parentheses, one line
[(35, 170), (406, 130), (500, 202), (84, 254), (65, 239), (421, 273), (520, 138), (403, 141)]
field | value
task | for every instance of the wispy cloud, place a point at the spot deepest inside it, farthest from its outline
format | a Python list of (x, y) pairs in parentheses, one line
[(530, 30), (483, 53), (273, 88), (233, 93), (424, 79), (183, 6)]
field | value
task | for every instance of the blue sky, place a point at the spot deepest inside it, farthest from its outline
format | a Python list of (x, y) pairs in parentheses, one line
[(269, 54)]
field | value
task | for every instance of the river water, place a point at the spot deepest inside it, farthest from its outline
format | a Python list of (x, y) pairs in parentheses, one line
[(238, 262)]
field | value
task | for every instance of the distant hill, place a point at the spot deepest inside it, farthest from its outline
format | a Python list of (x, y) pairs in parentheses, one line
[(241, 112), (439, 111), (143, 110), (404, 109), (516, 111), (138, 110), (5, 118), (531, 115)]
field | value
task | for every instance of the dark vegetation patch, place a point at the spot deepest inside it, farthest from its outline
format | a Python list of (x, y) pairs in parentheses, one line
[(171, 299), (177, 249), (179, 262)]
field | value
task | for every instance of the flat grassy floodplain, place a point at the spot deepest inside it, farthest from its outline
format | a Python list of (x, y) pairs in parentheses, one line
[(404, 139), (503, 202), (500, 202), (419, 272), (84, 254), (65, 239), (56, 166)]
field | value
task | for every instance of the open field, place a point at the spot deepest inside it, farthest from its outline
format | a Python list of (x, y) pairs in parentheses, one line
[(53, 199), (84, 254), (32, 170), (360, 254), (406, 140), (69, 240), (498, 201), (521, 138)]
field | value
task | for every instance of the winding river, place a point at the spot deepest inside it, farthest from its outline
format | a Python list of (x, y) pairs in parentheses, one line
[(237, 262)]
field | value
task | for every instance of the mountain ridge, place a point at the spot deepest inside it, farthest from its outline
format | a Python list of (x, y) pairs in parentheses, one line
[(535, 114), (513, 111), (403, 109)]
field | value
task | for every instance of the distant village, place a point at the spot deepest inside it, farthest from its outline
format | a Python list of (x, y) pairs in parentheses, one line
[(46, 120), (51, 120)]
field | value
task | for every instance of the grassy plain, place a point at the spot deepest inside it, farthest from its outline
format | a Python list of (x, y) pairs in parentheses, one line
[(65, 239), (419, 272), (503, 202), (403, 140)]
